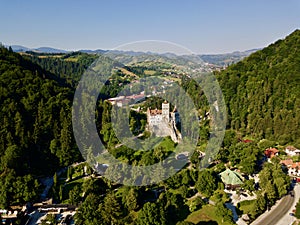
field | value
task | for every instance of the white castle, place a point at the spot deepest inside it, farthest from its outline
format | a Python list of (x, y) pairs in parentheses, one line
[(163, 122)]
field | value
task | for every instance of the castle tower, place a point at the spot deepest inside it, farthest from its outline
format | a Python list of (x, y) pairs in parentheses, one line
[(148, 116), (165, 111)]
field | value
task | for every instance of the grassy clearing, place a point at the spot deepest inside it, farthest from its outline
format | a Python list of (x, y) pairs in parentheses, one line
[(126, 72), (206, 215), (71, 59), (50, 56), (149, 72), (167, 143)]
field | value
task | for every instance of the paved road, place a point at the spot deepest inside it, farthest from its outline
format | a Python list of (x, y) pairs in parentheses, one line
[(276, 213), (288, 219)]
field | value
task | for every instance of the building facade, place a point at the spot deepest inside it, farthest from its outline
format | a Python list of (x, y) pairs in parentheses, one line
[(163, 122), (156, 116)]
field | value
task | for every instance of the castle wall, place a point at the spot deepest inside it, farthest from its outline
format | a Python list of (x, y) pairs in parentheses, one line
[(162, 123)]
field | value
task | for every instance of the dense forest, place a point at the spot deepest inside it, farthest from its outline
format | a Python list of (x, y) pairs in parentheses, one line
[(262, 92), (36, 133), (68, 67)]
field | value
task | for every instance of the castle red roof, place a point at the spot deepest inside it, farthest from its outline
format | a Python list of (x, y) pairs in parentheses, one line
[(154, 112)]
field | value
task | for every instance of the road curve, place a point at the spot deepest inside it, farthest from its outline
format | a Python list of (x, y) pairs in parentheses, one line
[(277, 212)]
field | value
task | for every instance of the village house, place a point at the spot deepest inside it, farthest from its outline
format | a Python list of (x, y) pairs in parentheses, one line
[(231, 179), (292, 167), (286, 162), (271, 152), (292, 151)]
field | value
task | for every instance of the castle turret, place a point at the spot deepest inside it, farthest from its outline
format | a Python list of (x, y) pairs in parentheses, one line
[(148, 116), (166, 111)]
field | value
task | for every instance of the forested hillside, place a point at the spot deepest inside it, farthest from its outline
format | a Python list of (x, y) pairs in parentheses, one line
[(262, 92), (68, 67), (35, 131)]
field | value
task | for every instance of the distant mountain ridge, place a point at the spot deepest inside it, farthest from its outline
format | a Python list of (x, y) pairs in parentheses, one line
[(226, 58), (20, 48), (216, 59)]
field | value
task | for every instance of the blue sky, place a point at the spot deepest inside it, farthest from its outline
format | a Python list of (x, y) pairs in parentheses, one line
[(211, 26)]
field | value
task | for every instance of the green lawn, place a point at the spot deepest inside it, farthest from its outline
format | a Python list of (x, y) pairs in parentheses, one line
[(246, 206), (207, 215), (167, 143)]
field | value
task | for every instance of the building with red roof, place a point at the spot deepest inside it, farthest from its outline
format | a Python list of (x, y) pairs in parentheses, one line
[(271, 152), (293, 167)]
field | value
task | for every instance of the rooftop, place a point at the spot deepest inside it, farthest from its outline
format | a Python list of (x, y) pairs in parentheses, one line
[(291, 148), (271, 152), (231, 177), (154, 112), (286, 162)]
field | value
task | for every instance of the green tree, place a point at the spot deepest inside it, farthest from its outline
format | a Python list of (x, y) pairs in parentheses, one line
[(70, 173), (249, 185), (131, 199), (50, 219), (11, 158), (207, 183), (64, 154), (223, 212), (30, 188), (273, 181), (75, 195), (260, 206), (111, 211), (151, 214), (60, 193), (55, 188), (196, 204), (271, 193), (281, 186), (55, 180), (88, 212), (94, 185), (297, 213)]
